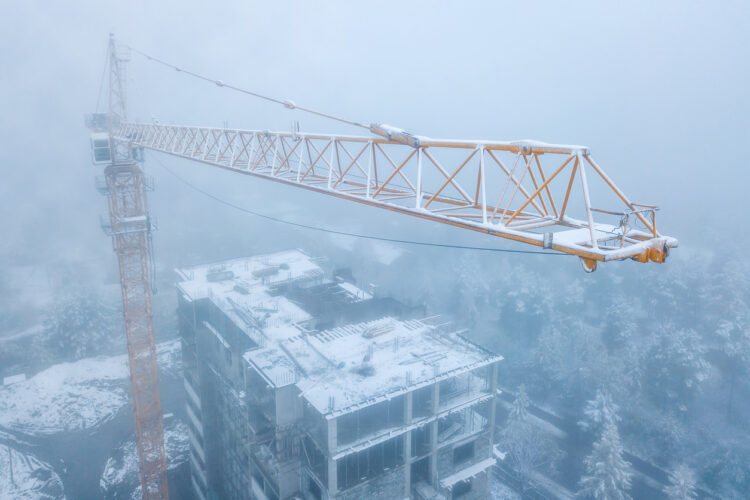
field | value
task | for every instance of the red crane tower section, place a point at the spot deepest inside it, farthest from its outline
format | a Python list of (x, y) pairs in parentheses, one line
[(130, 228)]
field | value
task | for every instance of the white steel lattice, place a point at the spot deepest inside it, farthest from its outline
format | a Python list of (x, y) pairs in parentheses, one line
[(521, 190)]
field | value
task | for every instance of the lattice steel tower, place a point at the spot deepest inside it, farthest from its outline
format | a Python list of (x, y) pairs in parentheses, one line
[(130, 227)]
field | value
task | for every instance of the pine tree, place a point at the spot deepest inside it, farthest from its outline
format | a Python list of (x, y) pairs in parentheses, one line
[(599, 412), (574, 357), (734, 337), (472, 289), (620, 325), (519, 412), (79, 325), (677, 365), (681, 484), (607, 472), (528, 449)]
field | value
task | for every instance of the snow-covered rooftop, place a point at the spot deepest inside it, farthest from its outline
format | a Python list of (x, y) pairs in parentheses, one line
[(241, 288), (256, 273), (341, 369), (336, 370)]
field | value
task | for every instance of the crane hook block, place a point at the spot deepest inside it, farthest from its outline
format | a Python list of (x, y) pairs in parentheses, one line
[(589, 265)]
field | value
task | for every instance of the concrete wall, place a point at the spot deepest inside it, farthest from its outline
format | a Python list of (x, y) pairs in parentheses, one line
[(288, 405)]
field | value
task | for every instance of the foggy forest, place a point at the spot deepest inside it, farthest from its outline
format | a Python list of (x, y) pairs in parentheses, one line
[(632, 381)]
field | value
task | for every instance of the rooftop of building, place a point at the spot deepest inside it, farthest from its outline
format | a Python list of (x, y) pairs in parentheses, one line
[(256, 273), (338, 369), (356, 365), (247, 290)]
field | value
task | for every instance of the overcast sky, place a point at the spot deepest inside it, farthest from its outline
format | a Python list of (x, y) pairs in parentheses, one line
[(657, 90)]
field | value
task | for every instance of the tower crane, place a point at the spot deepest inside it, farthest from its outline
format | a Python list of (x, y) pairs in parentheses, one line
[(130, 227), (523, 191)]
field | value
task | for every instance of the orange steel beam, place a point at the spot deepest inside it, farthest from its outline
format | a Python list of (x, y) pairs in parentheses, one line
[(450, 179), (511, 178), (549, 195), (570, 185), (539, 190), (393, 164)]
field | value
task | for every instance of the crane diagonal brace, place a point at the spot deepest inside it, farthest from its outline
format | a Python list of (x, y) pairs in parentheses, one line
[(520, 190)]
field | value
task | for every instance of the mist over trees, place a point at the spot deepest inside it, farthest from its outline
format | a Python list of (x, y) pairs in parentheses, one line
[(657, 354), (79, 325), (529, 451), (681, 483)]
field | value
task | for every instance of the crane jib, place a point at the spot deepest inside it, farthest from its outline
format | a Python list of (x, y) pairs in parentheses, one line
[(519, 190)]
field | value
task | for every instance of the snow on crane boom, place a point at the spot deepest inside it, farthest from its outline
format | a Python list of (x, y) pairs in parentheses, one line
[(468, 184), (518, 190)]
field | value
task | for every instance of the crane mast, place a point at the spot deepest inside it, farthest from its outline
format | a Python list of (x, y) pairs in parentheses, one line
[(130, 228)]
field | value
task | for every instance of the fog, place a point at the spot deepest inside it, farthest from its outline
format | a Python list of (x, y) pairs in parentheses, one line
[(657, 91)]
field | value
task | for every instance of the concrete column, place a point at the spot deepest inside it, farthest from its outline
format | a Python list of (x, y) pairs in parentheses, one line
[(434, 436), (332, 445), (493, 403), (408, 412)]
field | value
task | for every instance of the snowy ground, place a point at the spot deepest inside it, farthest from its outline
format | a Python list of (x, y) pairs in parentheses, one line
[(121, 472), (73, 396), (31, 478), (501, 491)]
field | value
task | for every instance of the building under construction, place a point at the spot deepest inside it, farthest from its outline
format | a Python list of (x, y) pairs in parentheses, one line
[(302, 385)]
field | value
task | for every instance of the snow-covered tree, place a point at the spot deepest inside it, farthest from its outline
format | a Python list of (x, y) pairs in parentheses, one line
[(528, 449), (79, 325), (526, 302), (677, 365), (599, 412), (681, 484), (472, 289), (620, 322), (608, 474), (573, 357), (725, 466), (519, 411), (733, 334)]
